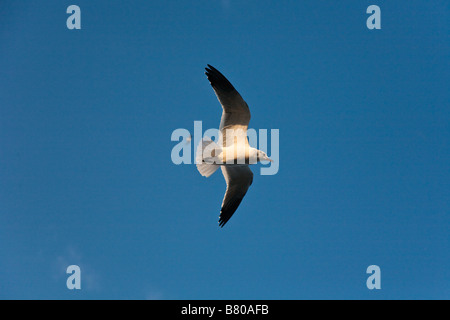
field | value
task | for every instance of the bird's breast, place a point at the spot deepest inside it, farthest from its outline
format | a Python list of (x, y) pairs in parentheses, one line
[(238, 155)]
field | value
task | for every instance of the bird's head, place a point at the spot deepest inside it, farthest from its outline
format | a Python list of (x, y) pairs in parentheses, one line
[(262, 156)]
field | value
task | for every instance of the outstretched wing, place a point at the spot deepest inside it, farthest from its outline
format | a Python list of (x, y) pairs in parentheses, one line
[(236, 114), (239, 179)]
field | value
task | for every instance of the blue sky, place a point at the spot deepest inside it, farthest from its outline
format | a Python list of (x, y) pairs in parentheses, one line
[(86, 176)]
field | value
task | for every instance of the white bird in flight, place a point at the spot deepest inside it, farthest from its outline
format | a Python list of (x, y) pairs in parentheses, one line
[(231, 152)]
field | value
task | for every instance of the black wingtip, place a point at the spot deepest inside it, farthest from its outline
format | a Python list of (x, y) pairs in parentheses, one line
[(223, 218), (209, 69), (222, 222), (217, 79), (228, 210)]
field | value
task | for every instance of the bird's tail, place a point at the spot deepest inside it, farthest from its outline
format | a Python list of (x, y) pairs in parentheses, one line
[(207, 157)]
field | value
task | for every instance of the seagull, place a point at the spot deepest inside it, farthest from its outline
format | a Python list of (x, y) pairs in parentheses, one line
[(232, 152)]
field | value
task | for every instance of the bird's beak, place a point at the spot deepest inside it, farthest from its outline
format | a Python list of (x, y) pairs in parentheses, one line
[(269, 159)]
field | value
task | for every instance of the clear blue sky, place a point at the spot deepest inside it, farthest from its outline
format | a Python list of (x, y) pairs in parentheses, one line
[(86, 176)]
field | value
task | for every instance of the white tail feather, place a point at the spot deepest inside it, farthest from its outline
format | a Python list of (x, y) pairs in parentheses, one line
[(207, 168)]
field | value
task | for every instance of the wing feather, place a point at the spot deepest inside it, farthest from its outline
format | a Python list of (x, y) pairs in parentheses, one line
[(239, 179), (236, 114)]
